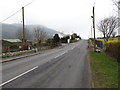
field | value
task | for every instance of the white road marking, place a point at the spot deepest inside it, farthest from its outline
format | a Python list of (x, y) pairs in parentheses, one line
[(18, 76), (64, 52), (60, 55)]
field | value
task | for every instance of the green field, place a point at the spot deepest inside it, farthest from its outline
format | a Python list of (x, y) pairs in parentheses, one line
[(104, 70)]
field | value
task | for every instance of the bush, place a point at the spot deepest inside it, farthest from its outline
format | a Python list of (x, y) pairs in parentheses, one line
[(56, 38), (44, 44), (63, 40), (113, 47), (49, 41)]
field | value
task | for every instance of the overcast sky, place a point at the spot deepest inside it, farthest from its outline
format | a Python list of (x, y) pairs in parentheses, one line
[(66, 16)]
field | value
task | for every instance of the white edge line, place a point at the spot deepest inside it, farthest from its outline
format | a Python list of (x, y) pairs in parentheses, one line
[(18, 76)]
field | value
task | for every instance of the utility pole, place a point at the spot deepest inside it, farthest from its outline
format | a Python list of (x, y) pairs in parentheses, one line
[(23, 27), (94, 26)]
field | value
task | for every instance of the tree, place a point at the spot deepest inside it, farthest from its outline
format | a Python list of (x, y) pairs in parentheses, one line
[(79, 37), (50, 40), (19, 34), (113, 34), (73, 36), (107, 26), (117, 3), (56, 38), (40, 35), (64, 39)]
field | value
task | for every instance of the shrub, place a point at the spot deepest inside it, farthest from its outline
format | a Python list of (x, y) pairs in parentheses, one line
[(56, 38), (64, 40), (113, 47), (49, 41)]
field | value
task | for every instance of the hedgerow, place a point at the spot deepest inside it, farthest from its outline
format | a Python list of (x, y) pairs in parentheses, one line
[(113, 48)]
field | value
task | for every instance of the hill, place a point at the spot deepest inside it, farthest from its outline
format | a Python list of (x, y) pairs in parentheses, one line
[(9, 30)]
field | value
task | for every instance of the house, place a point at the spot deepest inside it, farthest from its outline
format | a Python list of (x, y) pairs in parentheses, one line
[(11, 45), (15, 45)]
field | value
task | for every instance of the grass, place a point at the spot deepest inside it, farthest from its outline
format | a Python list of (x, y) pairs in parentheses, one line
[(104, 70)]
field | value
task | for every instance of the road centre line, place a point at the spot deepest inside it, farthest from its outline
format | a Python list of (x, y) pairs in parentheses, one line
[(65, 52), (60, 55), (18, 76)]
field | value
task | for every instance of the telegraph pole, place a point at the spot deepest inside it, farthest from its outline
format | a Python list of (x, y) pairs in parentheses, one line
[(94, 26), (23, 27)]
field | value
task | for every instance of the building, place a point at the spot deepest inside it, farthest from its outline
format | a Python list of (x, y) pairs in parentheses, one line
[(11, 45)]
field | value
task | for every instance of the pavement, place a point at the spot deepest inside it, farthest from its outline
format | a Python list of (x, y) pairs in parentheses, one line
[(66, 67), (17, 57), (29, 54)]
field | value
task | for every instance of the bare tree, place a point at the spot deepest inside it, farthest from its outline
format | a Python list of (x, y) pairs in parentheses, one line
[(113, 34), (103, 27), (117, 3), (19, 34), (113, 24), (107, 26), (40, 35)]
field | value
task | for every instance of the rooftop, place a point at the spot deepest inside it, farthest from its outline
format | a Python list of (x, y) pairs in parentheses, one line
[(13, 40)]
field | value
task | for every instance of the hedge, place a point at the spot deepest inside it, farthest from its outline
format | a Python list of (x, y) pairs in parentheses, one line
[(113, 48)]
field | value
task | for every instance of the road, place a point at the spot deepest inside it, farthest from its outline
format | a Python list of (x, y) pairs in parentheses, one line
[(66, 67)]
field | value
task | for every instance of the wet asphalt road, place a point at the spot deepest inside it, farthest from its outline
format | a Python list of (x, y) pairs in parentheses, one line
[(66, 67)]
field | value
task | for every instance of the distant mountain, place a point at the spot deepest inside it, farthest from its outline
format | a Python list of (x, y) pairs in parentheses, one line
[(9, 30)]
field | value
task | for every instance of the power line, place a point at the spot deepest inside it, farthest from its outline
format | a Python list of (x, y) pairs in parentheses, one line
[(10, 16), (17, 11), (29, 3)]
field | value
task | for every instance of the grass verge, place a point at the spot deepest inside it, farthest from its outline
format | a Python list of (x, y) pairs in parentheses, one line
[(104, 70)]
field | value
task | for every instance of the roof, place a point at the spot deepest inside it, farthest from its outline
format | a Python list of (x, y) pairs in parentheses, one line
[(60, 34), (12, 40), (6, 43)]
